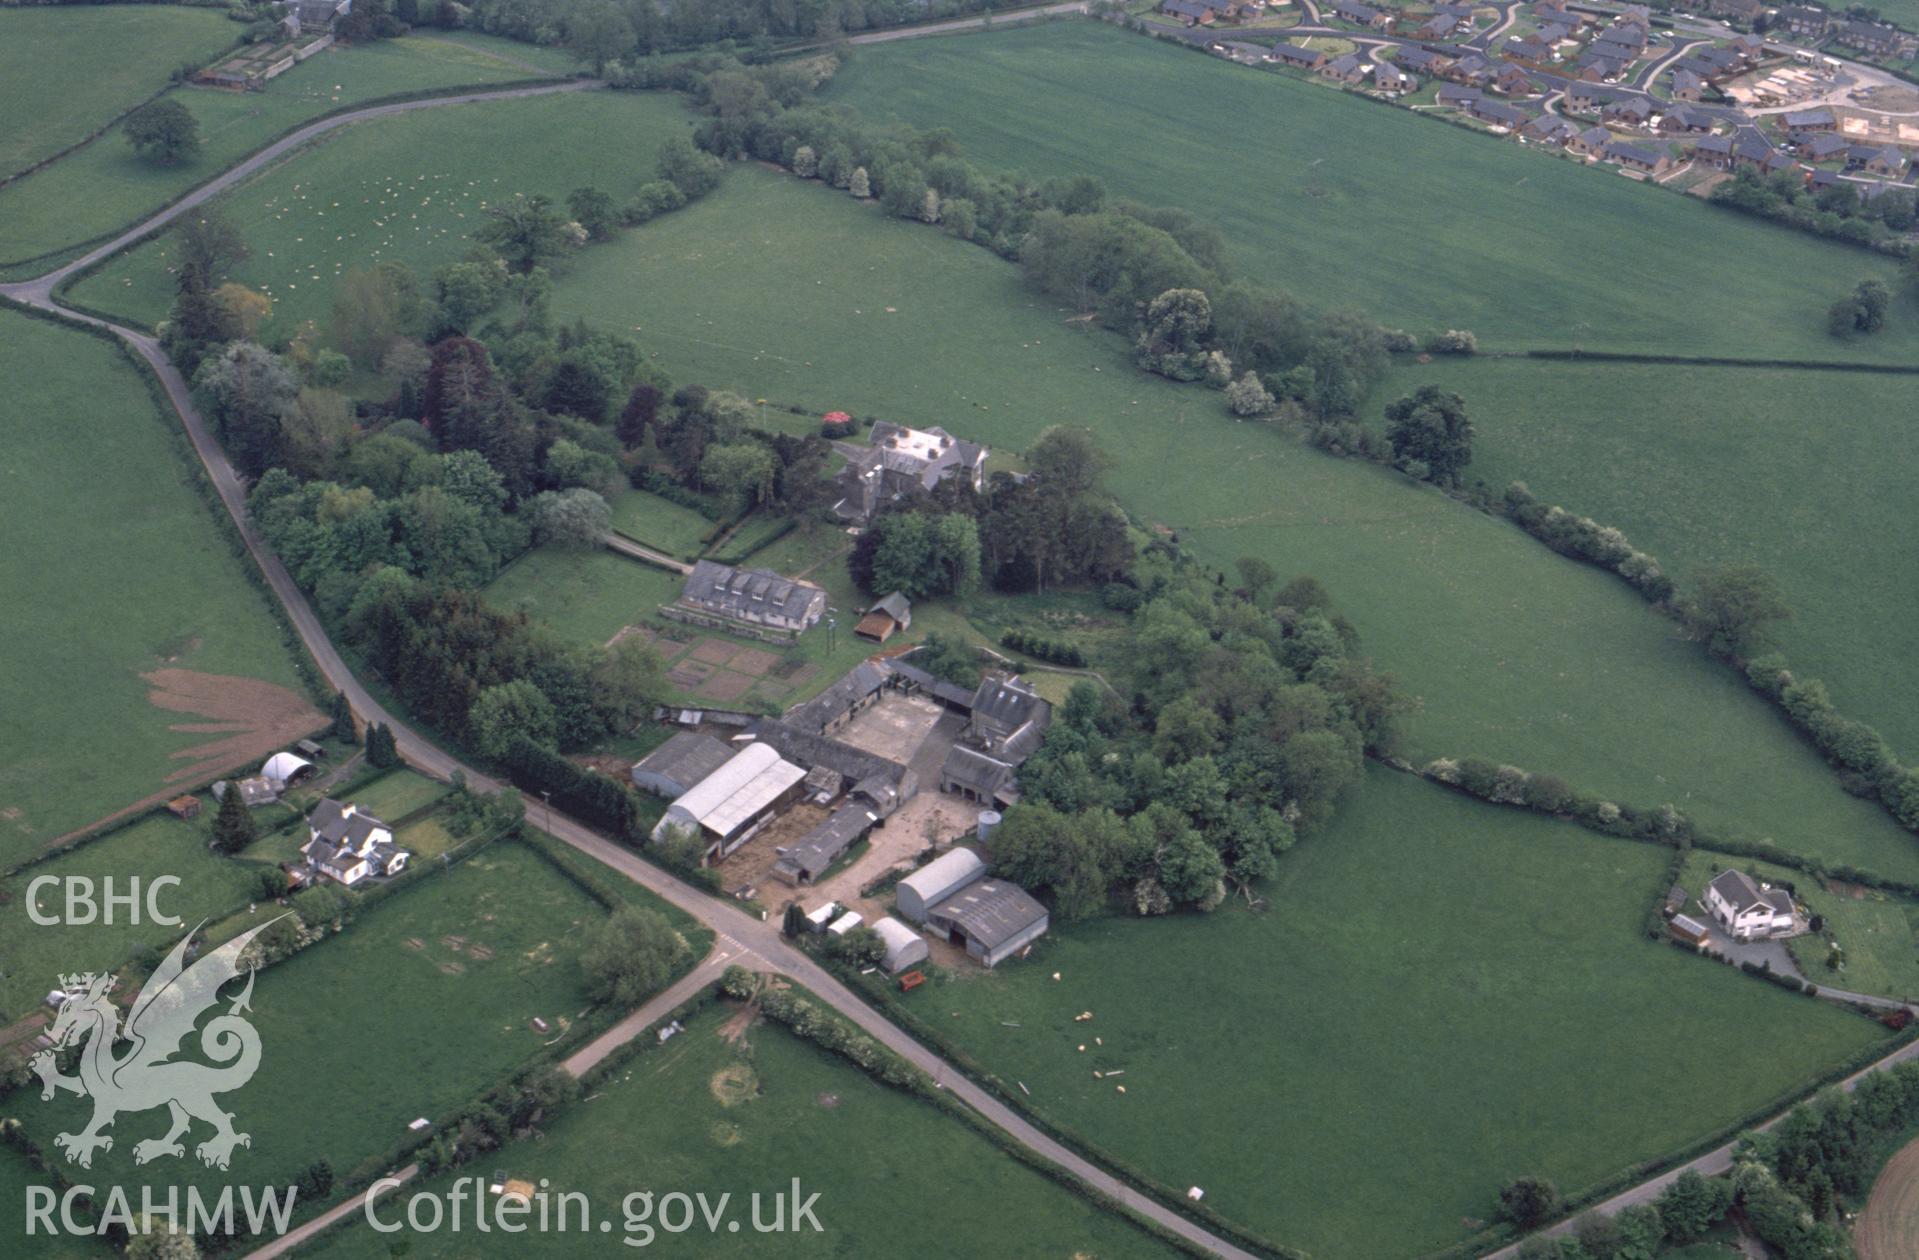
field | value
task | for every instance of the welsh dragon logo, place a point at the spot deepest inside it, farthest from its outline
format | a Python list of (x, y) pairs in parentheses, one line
[(162, 1017)]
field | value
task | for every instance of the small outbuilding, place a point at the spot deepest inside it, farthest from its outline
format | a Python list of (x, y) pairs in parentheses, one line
[(885, 619), (184, 807), (904, 946), (1689, 931), (845, 923), (919, 892)]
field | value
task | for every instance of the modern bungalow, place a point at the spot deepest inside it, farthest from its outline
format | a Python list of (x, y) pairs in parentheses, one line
[(1636, 157), (1299, 58), (1687, 85), (1362, 15), (1390, 79)]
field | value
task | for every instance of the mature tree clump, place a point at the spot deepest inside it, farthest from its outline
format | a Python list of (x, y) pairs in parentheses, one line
[(575, 520), (1248, 396), (1528, 1201), (164, 132), (1431, 434), (860, 185), (593, 210), (641, 410), (1733, 609), (1173, 341), (630, 956), (1862, 312), (245, 390), (526, 231), (381, 750), (508, 711), (233, 828), (1692, 1205)]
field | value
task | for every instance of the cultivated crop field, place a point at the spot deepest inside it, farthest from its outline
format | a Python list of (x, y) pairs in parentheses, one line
[(410, 187), (66, 71), (1443, 996), (1353, 204), (421, 1004), (708, 1113), (1515, 654), (106, 186), (1801, 473), (157, 845), (128, 613)]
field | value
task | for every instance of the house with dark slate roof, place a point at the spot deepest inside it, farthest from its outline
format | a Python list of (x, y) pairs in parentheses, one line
[(1299, 58), (1584, 98), (1457, 96), (1424, 60), (1362, 15), (972, 775), (1629, 111), (1512, 81), (1685, 118), (348, 846), (1713, 150), (1637, 157), (1804, 21), (1190, 12), (1495, 114), (1822, 146), (1889, 161), (1348, 69), (754, 602), (1590, 143), (1549, 129), (1008, 718), (1874, 39), (1687, 85), (1749, 910), (898, 464), (1393, 81)]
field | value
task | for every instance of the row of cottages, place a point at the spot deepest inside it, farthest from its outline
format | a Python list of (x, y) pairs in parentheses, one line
[(899, 464), (992, 919), (1747, 909), (347, 846), (1875, 39), (1362, 15), (758, 603)]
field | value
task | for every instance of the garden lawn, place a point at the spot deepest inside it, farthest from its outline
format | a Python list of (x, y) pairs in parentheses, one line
[(586, 596), (1513, 653), (439, 983), (67, 72), (1875, 931), (1351, 203), (395, 795), (113, 567), (661, 523), (105, 187), (1805, 474), (1443, 996), (870, 1152), (157, 845), (409, 187)]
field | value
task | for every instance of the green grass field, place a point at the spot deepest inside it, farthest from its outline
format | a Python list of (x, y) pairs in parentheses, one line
[(1875, 931), (16, 1174), (410, 187), (586, 596), (106, 187), (1514, 653), (661, 524), (871, 1153), (419, 1006), (1443, 996), (1353, 204), (66, 72), (113, 567), (157, 845), (1801, 473)]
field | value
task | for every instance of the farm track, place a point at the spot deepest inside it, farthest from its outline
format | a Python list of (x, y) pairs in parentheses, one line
[(751, 942)]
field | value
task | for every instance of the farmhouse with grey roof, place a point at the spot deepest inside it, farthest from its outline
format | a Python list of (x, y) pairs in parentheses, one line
[(898, 464)]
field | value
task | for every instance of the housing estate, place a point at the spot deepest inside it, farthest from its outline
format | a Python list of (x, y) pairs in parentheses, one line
[(1747, 909), (1874, 39), (754, 602), (898, 464), (347, 845)]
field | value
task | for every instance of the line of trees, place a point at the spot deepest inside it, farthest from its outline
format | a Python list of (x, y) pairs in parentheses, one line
[(1838, 212)]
